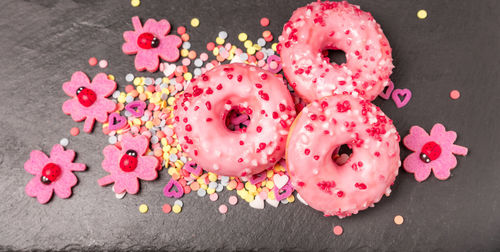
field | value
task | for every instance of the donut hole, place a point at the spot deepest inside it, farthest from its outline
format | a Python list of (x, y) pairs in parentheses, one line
[(334, 56), (237, 120), (342, 154)]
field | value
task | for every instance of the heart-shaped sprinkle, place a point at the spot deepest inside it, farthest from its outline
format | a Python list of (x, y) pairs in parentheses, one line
[(169, 69), (116, 121), (193, 168), (387, 94), (272, 202), (257, 203), (284, 192), (177, 191), (280, 180), (136, 108), (257, 178), (118, 195), (401, 97)]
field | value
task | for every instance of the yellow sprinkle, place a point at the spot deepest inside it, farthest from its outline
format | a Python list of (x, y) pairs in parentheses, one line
[(212, 177), (270, 184), (257, 47), (176, 209), (135, 3), (270, 195), (290, 198), (204, 186), (422, 14), (274, 46), (171, 171), (184, 52), (250, 187), (143, 208), (171, 100), (247, 44), (215, 51), (270, 173), (137, 122), (188, 76), (137, 81), (251, 50), (140, 89), (219, 41), (149, 124), (111, 77), (242, 36), (249, 198), (121, 99), (195, 22), (210, 190)]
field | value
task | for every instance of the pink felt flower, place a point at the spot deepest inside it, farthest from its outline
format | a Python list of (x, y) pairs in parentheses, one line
[(89, 100), (52, 174), (434, 152), (128, 164), (150, 42)]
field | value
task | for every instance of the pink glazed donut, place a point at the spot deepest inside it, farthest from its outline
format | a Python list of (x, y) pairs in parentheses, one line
[(322, 26), (365, 177), (201, 112)]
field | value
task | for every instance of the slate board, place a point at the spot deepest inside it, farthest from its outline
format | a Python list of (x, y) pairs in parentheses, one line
[(43, 42)]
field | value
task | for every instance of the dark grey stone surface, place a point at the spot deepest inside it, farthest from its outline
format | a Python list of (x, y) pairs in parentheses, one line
[(43, 42)]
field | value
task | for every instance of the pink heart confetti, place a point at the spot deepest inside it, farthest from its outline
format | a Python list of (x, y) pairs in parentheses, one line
[(136, 108), (284, 192), (257, 178), (387, 94), (116, 121), (193, 168), (401, 97), (176, 193)]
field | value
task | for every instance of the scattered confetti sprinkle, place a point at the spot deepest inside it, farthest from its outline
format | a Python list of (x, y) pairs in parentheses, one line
[(135, 3), (223, 209), (338, 230), (103, 63), (176, 209), (264, 21), (233, 200), (74, 131), (454, 94), (422, 14), (64, 142), (195, 22), (92, 61), (166, 208), (398, 219), (143, 208)]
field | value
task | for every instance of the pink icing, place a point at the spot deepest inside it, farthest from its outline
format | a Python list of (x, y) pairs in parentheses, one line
[(320, 128), (200, 115), (330, 25)]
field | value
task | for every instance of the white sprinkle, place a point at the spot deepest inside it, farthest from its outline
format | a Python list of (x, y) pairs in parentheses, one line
[(112, 139), (129, 77), (223, 35), (64, 142)]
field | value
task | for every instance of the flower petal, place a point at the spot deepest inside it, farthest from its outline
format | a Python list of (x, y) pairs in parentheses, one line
[(111, 158), (158, 28), (77, 167), (442, 166), (146, 168), (35, 188), (138, 143), (36, 162), (60, 156), (101, 108), (62, 187), (103, 86), (127, 183), (147, 59), (78, 79), (413, 164), (72, 107), (169, 48), (416, 139), (439, 133), (89, 124)]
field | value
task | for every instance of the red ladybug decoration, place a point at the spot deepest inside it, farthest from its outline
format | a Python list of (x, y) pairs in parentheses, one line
[(430, 152), (86, 96), (50, 173), (128, 162), (147, 41)]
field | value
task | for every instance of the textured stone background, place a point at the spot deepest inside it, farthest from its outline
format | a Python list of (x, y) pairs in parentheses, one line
[(43, 42)]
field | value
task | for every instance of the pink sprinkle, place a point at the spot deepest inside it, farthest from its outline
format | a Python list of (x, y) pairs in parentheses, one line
[(186, 61), (92, 61), (264, 21), (233, 200), (222, 209), (204, 56), (338, 230), (454, 94), (214, 197), (273, 65), (103, 63), (263, 195)]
